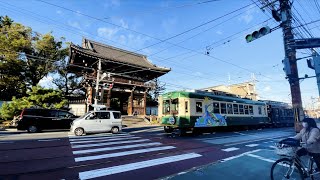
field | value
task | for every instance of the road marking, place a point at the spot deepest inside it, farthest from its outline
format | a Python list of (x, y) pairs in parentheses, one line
[(103, 156), (6, 142), (49, 140), (252, 145), (133, 166), (109, 143), (103, 140), (97, 138), (233, 144), (97, 135), (240, 155), (261, 158), (147, 130), (230, 149), (115, 148)]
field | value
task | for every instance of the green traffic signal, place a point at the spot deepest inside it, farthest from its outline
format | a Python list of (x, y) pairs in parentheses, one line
[(257, 34)]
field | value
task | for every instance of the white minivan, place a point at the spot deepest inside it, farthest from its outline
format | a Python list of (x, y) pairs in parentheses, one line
[(97, 121)]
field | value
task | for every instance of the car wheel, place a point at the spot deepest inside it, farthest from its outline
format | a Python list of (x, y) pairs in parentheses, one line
[(32, 129), (115, 130), (79, 132)]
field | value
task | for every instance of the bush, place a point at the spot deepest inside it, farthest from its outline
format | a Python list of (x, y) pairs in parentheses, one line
[(38, 97)]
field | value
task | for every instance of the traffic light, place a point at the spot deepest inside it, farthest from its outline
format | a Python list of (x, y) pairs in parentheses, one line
[(257, 34), (286, 66)]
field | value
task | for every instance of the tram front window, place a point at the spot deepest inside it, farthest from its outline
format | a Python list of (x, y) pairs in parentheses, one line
[(166, 106), (175, 105)]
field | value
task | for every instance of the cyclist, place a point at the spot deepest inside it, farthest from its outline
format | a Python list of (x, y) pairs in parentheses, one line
[(310, 135)]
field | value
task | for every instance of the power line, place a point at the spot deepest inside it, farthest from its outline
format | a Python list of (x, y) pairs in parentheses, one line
[(113, 41)]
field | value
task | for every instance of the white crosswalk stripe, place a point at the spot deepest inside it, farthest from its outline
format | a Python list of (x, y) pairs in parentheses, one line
[(87, 149)]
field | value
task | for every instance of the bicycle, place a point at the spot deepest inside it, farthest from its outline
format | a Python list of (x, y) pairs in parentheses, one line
[(291, 166)]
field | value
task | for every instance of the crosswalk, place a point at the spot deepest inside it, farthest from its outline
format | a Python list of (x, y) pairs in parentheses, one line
[(88, 149)]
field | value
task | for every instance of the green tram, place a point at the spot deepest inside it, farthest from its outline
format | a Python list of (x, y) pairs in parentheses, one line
[(201, 111)]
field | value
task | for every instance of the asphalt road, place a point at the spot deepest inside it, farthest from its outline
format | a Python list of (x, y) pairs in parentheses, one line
[(145, 153)]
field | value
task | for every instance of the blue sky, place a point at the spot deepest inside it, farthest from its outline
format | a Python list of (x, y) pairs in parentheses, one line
[(164, 19)]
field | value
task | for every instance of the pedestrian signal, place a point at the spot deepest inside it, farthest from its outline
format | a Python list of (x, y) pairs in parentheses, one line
[(257, 34)]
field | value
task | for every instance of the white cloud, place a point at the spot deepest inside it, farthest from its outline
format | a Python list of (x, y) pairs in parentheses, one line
[(198, 74), (267, 89), (74, 24), (112, 3), (122, 36), (107, 32), (169, 24), (248, 16), (219, 32)]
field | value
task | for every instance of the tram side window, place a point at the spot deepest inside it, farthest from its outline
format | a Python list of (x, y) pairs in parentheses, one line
[(199, 107), (229, 108), (186, 106), (259, 109), (241, 110), (223, 108), (246, 109), (235, 108), (166, 106), (250, 110), (216, 108)]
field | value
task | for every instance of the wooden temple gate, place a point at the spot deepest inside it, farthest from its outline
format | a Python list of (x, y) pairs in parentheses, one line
[(126, 85)]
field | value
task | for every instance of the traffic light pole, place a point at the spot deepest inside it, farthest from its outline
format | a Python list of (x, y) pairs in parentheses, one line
[(290, 53)]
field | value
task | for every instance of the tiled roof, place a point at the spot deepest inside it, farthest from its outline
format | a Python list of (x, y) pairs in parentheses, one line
[(116, 54)]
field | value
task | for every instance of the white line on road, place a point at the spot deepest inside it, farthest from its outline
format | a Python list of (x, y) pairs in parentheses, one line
[(96, 138), (230, 149), (252, 145), (103, 140), (240, 155), (233, 144), (108, 143), (49, 140), (115, 148), (133, 166), (88, 158), (96, 135), (261, 158)]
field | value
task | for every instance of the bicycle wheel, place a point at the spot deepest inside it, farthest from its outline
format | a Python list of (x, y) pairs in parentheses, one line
[(285, 169), (313, 174)]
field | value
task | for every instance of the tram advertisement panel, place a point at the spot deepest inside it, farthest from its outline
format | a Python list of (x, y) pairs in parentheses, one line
[(209, 118)]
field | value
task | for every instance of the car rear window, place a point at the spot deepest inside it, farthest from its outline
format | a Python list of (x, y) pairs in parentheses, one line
[(116, 115)]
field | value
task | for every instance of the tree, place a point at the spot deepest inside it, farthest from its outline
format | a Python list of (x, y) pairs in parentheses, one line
[(67, 82), (25, 57), (157, 89), (37, 97)]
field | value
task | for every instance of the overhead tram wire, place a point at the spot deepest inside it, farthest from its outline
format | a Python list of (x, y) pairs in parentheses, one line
[(170, 7), (225, 61), (96, 61), (165, 40), (219, 59)]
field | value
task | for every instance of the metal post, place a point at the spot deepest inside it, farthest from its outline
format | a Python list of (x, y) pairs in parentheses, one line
[(290, 53), (97, 84)]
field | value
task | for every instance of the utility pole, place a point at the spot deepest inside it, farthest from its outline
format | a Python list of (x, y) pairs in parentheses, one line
[(97, 84), (290, 54)]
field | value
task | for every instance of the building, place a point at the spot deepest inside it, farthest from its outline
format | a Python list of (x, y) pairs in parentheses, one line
[(126, 76), (243, 90)]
